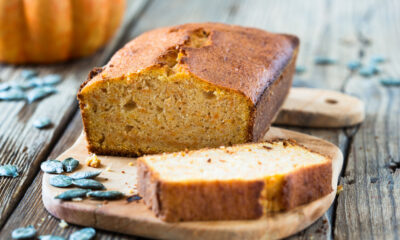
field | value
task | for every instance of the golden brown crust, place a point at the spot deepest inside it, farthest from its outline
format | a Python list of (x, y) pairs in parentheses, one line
[(297, 189), (233, 199), (247, 60), (200, 201), (271, 101)]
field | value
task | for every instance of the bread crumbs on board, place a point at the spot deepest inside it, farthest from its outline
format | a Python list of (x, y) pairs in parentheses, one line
[(93, 161), (133, 191)]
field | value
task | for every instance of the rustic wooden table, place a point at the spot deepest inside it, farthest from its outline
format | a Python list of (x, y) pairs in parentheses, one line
[(367, 208)]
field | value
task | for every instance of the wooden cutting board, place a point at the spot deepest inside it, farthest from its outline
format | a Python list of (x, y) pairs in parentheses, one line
[(310, 107), (136, 219)]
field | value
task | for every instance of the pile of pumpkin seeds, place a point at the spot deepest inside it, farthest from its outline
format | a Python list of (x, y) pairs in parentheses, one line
[(84, 180), (30, 232), (368, 69), (29, 87), (371, 68)]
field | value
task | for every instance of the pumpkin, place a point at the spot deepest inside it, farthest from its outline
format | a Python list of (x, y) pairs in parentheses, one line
[(48, 31)]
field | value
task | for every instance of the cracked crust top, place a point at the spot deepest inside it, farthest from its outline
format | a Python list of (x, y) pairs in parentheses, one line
[(244, 59)]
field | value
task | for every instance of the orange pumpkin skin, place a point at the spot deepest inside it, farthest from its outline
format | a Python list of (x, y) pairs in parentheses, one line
[(48, 31)]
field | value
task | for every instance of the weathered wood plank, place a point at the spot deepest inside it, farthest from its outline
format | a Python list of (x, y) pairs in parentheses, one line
[(368, 207), (319, 24), (21, 143)]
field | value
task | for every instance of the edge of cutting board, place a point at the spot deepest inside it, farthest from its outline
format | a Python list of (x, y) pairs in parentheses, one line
[(136, 219), (319, 108)]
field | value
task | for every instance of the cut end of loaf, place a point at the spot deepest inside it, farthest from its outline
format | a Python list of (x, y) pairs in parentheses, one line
[(239, 182), (161, 110), (187, 87)]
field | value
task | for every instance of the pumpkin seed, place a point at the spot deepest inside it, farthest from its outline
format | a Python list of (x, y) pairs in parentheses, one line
[(368, 70), (300, 69), (377, 59), (353, 65), (48, 80), (321, 60), (22, 85), (375, 69), (24, 233), (60, 181), (83, 234), (39, 93), (49, 89), (16, 86), (52, 166), (133, 198), (107, 195), (85, 175), (50, 237), (71, 194), (88, 184), (9, 171), (70, 164), (12, 94), (42, 123), (4, 86), (390, 81), (37, 81), (300, 83), (27, 74), (51, 79)]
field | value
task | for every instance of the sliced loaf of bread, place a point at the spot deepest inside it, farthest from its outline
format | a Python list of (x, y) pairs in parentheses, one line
[(232, 183)]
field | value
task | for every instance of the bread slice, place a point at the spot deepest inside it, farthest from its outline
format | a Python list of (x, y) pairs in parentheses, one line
[(232, 183), (190, 86)]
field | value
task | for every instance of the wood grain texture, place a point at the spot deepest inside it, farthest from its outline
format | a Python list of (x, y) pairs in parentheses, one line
[(322, 27), (24, 145), (135, 218), (368, 207), (268, 15)]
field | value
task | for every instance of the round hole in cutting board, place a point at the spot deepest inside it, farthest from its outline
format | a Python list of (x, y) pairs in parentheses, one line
[(331, 101)]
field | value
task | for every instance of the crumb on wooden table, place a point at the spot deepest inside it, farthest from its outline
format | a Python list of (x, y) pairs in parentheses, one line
[(339, 189), (63, 224)]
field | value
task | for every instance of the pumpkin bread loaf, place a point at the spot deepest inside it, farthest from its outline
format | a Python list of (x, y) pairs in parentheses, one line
[(233, 183), (187, 87)]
